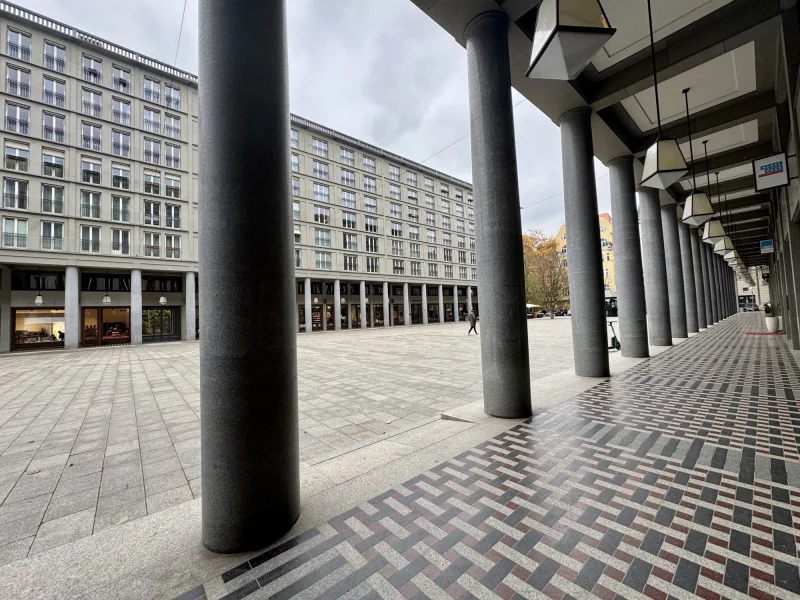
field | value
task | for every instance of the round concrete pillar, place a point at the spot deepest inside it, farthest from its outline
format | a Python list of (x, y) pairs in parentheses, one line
[(712, 280), (701, 249), (655, 268), (687, 266), (672, 254)]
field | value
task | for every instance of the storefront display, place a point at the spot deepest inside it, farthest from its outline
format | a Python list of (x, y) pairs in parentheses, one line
[(106, 326), (39, 328), (161, 324)]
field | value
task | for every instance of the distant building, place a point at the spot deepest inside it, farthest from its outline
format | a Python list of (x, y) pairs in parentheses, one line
[(607, 244)]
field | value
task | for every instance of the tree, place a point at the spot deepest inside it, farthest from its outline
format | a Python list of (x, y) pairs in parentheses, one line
[(546, 279)]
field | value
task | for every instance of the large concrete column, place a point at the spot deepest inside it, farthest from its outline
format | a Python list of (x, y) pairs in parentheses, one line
[(189, 308), (720, 299), (325, 315), (702, 251), (687, 267), (441, 303), (337, 306), (424, 303), (469, 299), (406, 306), (136, 306), (307, 302), (672, 254), (455, 304), (362, 291), (628, 259), (6, 324), (498, 227), (699, 292), (250, 455), (387, 315), (72, 308), (655, 268), (586, 290), (712, 280)]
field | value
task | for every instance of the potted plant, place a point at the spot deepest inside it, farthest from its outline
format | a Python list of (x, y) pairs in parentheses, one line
[(771, 320)]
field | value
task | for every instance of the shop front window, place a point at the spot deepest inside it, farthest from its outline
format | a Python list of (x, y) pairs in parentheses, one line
[(160, 325), (116, 326), (39, 328)]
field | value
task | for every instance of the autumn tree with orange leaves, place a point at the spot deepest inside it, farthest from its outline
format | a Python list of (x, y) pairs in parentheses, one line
[(546, 282)]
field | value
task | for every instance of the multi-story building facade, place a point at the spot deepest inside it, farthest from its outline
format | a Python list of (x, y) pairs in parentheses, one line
[(607, 247), (99, 217)]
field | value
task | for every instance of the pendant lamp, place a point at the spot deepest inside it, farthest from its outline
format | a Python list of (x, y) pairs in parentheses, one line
[(567, 36), (713, 231), (697, 209), (664, 163), (38, 300)]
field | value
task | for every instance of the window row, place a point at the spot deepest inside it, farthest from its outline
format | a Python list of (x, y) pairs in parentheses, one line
[(324, 261), (354, 289), (324, 238)]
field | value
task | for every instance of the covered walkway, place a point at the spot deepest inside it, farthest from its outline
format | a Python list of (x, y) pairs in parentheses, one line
[(681, 476)]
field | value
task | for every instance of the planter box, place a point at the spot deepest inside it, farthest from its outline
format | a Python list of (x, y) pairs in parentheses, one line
[(772, 324)]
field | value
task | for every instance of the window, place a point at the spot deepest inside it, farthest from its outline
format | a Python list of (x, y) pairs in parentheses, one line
[(53, 199), (395, 210), (445, 222), (429, 201), (295, 163), (17, 157), (92, 69), (322, 238), (91, 136), (370, 184), (397, 229), (447, 240), (173, 186), (428, 184), (348, 178), (397, 248), (295, 186), (120, 177), (121, 111), (350, 263), (121, 79), (172, 216), (414, 250), (448, 255), (173, 243), (152, 90), (55, 57), (474, 274), (371, 244), (348, 199), (347, 156), (52, 236), (18, 82), (17, 118), (460, 210), (92, 103), (172, 126), (462, 257), (173, 98), (348, 220), (319, 147), (349, 241), (54, 92), (461, 241), (373, 265), (173, 156), (413, 233), (120, 209), (431, 236), (413, 214), (90, 171), (320, 169), (448, 271), (152, 244), (322, 215), (52, 165), (394, 173), (460, 226), (603, 243), (298, 261), (152, 151), (371, 224), (323, 260), (15, 194), (295, 209), (152, 183), (411, 179), (52, 127), (121, 143), (152, 213), (416, 269), (90, 205), (321, 192), (472, 258), (471, 214), (394, 191), (472, 244), (295, 139), (412, 197), (433, 270), (121, 241), (446, 206), (462, 272), (608, 256), (398, 267), (19, 45), (370, 204), (432, 253), (471, 228), (90, 239), (430, 219), (460, 196), (445, 189), (15, 233), (369, 165)]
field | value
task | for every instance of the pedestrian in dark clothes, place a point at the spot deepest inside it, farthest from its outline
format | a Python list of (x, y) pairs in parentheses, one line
[(472, 322)]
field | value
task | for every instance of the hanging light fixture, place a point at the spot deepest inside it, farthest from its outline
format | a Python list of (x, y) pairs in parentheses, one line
[(697, 209), (162, 300), (38, 300), (713, 231), (567, 36), (106, 298)]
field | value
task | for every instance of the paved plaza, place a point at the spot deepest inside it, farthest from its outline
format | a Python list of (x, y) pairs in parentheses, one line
[(92, 439)]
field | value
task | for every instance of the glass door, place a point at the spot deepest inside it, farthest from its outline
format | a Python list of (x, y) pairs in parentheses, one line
[(115, 326), (397, 314), (379, 315), (433, 313), (301, 317), (416, 314), (329, 316), (90, 335), (316, 317), (448, 312), (355, 316)]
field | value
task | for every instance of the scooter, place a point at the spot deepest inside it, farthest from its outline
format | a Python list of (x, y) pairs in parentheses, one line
[(615, 345)]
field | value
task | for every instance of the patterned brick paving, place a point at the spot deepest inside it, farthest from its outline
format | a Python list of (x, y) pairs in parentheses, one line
[(679, 479)]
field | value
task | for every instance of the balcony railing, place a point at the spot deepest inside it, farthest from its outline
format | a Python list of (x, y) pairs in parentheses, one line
[(90, 211), (92, 75), (51, 170), (53, 206), (16, 163), (152, 251), (15, 240), (173, 222), (152, 157), (118, 214), (172, 131), (90, 176), (53, 134), (19, 51), (152, 219), (173, 192), (19, 201), (90, 245), (120, 248), (172, 102), (122, 117), (92, 109), (56, 64), (18, 88), (172, 161), (121, 149), (17, 125), (152, 188), (123, 183), (173, 252), (92, 143), (152, 126), (121, 84), (52, 243), (55, 98), (152, 95)]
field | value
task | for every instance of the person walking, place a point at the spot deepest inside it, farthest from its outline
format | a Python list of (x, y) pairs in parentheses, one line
[(472, 322)]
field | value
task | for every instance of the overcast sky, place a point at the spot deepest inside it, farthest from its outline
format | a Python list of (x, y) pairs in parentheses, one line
[(378, 70)]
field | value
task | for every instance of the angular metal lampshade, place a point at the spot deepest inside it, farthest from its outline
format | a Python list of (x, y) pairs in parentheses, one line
[(723, 246), (568, 34), (664, 164), (697, 209), (713, 231), (733, 255)]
